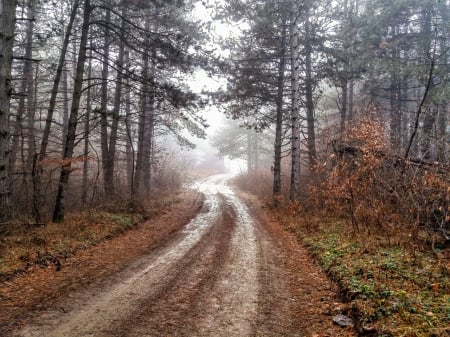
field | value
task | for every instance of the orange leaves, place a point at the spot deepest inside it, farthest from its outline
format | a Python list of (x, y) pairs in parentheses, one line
[(53, 162), (372, 187)]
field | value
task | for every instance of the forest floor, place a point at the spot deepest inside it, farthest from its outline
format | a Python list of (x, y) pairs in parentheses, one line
[(209, 265), (391, 284)]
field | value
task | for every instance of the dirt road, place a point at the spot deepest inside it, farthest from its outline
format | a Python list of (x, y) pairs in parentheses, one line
[(222, 275)]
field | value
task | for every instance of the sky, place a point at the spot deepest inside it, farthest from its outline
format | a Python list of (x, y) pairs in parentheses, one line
[(201, 81)]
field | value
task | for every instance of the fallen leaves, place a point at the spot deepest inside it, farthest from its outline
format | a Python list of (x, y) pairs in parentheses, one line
[(30, 290)]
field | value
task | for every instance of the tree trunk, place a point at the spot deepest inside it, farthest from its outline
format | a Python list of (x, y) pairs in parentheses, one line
[(7, 25), (142, 175), (26, 96), (429, 127), (30, 108), (23, 134), (443, 135), (59, 211), (250, 164), (142, 127), (111, 154), (344, 103), (130, 153), (57, 79), (279, 117), (310, 115), (295, 96), (107, 173), (395, 95), (65, 92), (84, 190)]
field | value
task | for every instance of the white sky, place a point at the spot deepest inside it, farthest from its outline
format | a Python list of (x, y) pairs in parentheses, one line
[(202, 82)]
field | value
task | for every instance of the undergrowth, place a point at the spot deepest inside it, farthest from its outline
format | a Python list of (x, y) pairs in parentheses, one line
[(395, 290), (24, 246), (378, 225)]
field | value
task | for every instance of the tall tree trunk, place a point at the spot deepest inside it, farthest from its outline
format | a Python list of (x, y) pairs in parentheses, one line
[(111, 154), (87, 126), (351, 93), (443, 146), (7, 25), (142, 175), (395, 95), (344, 102), (429, 127), (22, 107), (142, 126), (59, 211), (250, 163), (24, 127), (406, 118), (430, 116), (295, 96), (148, 149), (104, 108), (279, 116), (130, 153), (30, 107), (65, 92), (56, 81), (310, 114)]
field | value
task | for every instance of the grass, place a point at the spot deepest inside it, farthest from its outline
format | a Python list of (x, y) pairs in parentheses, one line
[(397, 290), (25, 246)]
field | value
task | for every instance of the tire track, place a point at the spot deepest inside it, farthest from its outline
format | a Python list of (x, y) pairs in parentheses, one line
[(112, 307), (222, 275), (176, 309)]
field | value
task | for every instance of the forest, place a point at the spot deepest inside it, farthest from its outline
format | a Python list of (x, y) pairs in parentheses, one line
[(90, 89), (340, 110)]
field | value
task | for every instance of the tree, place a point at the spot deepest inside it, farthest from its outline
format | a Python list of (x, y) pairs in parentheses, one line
[(278, 143), (7, 22), (257, 91), (238, 141), (295, 101), (69, 146)]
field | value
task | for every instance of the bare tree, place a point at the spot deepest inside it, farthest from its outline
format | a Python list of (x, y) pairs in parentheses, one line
[(279, 114), (295, 101), (59, 211), (56, 81), (7, 26)]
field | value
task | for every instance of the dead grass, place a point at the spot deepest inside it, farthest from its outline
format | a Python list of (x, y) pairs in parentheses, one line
[(23, 246)]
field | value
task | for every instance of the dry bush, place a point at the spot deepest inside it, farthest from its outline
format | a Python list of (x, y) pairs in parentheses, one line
[(378, 191), (258, 183)]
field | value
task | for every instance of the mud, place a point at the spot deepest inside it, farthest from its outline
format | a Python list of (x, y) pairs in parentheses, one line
[(222, 275)]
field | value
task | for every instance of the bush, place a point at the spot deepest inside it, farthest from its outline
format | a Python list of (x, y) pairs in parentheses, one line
[(375, 189)]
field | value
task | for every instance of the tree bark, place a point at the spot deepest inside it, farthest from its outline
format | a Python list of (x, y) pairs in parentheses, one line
[(138, 190), (395, 96), (142, 175), (295, 96), (87, 126), (7, 25), (104, 108), (30, 109), (310, 114), (56, 81), (279, 116), (59, 211), (111, 154), (130, 152)]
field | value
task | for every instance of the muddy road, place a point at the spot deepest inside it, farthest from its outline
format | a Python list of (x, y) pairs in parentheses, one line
[(221, 275)]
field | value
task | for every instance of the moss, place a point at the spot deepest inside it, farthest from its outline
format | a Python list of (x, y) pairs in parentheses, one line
[(401, 292)]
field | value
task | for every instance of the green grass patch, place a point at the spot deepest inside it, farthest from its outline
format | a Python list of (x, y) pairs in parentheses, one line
[(397, 289)]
